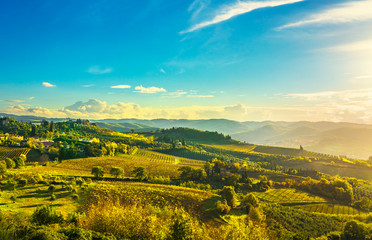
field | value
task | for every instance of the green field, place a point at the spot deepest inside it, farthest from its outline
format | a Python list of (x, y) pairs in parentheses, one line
[(30, 197), (305, 201)]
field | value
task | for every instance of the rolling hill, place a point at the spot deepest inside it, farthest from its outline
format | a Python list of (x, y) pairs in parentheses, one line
[(338, 138)]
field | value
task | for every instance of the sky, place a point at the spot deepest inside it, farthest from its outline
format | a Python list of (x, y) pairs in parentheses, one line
[(279, 60)]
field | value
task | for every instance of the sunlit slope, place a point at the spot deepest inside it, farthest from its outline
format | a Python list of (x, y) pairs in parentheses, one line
[(156, 164)]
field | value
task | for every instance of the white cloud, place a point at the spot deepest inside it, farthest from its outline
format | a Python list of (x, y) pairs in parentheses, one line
[(162, 71), (46, 84), (30, 98), (91, 106), (342, 13), (88, 85), (238, 8), (99, 70), (121, 86), (142, 89), (351, 106)]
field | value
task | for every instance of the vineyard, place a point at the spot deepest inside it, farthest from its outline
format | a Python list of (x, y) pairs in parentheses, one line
[(234, 147), (164, 158), (202, 156), (330, 209), (289, 196), (156, 164), (9, 152), (305, 201)]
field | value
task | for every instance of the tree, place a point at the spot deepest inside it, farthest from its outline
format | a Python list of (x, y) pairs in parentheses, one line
[(116, 172), (188, 173), (19, 161), (51, 127), (364, 204), (249, 201), (208, 167), (97, 172), (2, 168), (217, 165), (180, 229), (354, 230), (140, 173), (229, 194)]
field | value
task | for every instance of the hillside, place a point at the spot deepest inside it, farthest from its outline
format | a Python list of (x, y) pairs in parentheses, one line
[(341, 138), (127, 127)]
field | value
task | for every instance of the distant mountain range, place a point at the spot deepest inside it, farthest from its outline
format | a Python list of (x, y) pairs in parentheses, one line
[(350, 139)]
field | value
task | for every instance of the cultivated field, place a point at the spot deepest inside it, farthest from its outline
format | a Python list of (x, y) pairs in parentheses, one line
[(305, 201), (156, 164), (12, 152)]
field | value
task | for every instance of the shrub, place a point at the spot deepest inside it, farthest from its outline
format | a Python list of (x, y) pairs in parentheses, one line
[(44, 233), (52, 197), (13, 198), (45, 215), (22, 182), (52, 188), (76, 233), (9, 163), (75, 197), (10, 185), (79, 181)]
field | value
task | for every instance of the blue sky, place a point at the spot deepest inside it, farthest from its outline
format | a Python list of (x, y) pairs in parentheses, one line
[(244, 60)]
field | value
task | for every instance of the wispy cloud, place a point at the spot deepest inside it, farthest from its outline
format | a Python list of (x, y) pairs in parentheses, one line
[(175, 94), (358, 46), (200, 96), (88, 85), (30, 98), (99, 70), (364, 77), (229, 11), (197, 7), (342, 13), (162, 71), (345, 95), (121, 86), (46, 84), (142, 89), (12, 101)]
